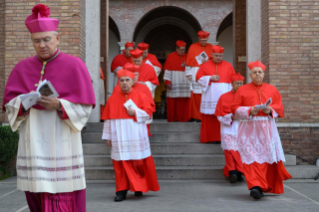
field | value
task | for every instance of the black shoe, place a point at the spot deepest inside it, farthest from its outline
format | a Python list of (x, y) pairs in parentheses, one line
[(255, 192), (233, 176), (120, 196), (197, 120), (240, 177), (138, 193), (262, 194), (216, 142)]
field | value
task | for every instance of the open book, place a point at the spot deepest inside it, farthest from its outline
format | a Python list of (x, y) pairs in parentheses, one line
[(202, 56), (260, 107), (44, 89), (130, 104)]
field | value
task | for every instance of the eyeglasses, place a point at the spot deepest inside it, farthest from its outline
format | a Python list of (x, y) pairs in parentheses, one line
[(45, 40)]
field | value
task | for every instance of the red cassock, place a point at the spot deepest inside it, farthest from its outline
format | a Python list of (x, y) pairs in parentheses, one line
[(132, 160), (119, 61), (194, 50), (152, 58), (258, 138), (147, 74), (210, 127), (143, 89), (228, 131), (178, 88)]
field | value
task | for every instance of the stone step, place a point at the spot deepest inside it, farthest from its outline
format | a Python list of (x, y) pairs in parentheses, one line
[(156, 126), (160, 148), (195, 172), (176, 160), (96, 137)]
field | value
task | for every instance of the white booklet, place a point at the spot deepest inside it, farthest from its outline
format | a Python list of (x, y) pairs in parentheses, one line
[(148, 62), (202, 56), (260, 107), (130, 104), (44, 89)]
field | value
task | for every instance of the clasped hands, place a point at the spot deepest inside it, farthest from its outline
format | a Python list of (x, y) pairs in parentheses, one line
[(254, 111), (49, 103), (214, 78)]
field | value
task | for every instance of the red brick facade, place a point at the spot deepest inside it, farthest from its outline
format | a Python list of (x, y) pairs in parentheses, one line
[(17, 43), (239, 26)]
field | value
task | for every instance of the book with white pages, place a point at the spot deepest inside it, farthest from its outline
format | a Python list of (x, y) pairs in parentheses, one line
[(44, 89), (202, 56), (260, 107), (130, 104)]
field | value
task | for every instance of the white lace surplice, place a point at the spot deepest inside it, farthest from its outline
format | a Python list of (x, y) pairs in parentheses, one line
[(50, 155), (211, 94), (258, 138), (180, 87), (192, 71), (129, 138), (228, 132)]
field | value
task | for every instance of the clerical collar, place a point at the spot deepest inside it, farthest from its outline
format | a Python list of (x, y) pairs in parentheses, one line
[(256, 85), (126, 92)]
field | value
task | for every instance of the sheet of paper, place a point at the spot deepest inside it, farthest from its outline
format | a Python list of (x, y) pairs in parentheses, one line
[(28, 100), (202, 56), (130, 104), (260, 107)]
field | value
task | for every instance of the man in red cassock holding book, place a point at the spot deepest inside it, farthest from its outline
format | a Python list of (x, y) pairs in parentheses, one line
[(198, 54), (214, 80), (125, 131), (228, 131), (257, 104), (177, 85)]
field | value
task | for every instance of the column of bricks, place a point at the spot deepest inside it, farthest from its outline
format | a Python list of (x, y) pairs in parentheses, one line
[(2, 54), (239, 24), (18, 45), (265, 36)]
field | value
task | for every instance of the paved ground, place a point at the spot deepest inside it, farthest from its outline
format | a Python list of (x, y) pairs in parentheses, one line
[(194, 195)]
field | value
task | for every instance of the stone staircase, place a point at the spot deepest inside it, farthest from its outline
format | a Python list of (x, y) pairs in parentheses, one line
[(177, 153)]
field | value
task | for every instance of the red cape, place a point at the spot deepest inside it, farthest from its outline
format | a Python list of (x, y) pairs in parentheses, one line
[(119, 61), (115, 109), (147, 73), (194, 50), (152, 58), (174, 62), (247, 96), (143, 89), (223, 104), (225, 71)]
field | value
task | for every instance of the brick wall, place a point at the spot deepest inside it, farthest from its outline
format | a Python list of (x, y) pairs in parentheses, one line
[(18, 45), (301, 141), (209, 14), (265, 37), (294, 57), (239, 26), (2, 54)]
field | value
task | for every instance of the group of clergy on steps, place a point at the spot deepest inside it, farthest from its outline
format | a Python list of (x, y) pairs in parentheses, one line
[(200, 85)]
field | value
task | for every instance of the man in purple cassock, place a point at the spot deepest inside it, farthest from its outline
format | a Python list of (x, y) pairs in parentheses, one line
[(50, 167)]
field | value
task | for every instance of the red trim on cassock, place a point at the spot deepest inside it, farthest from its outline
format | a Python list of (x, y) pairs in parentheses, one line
[(136, 175), (178, 109), (20, 113), (64, 115), (233, 162), (210, 129), (267, 176), (149, 130)]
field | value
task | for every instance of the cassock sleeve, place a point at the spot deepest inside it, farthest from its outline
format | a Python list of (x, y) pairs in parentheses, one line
[(276, 105), (115, 65), (12, 110), (144, 113), (78, 114), (168, 77), (203, 79), (227, 119)]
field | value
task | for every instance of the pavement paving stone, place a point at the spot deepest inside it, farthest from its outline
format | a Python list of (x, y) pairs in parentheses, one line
[(186, 195)]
